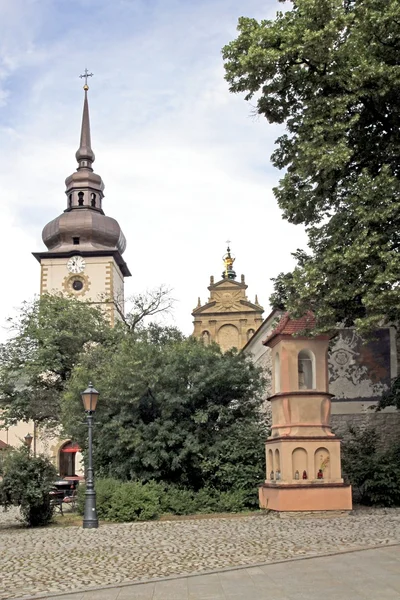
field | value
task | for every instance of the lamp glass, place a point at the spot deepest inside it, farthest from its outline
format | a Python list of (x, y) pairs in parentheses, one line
[(89, 398)]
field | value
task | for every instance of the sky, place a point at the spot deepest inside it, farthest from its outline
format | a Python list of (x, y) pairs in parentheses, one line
[(186, 164)]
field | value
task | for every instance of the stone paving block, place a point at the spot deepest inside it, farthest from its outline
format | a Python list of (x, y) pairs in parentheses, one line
[(171, 590), (143, 591), (205, 591), (106, 594)]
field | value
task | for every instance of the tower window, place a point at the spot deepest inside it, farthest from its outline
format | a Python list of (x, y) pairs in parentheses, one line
[(93, 201), (75, 241), (70, 201), (77, 285), (80, 198)]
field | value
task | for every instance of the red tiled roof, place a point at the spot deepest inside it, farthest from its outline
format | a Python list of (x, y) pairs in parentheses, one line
[(288, 326), (3, 445)]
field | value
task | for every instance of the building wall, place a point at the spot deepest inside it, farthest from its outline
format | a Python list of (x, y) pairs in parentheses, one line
[(103, 283)]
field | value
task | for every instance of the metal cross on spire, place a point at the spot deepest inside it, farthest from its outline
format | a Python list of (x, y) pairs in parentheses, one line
[(86, 75)]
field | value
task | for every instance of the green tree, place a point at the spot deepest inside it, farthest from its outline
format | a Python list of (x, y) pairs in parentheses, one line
[(329, 71), (172, 410), (26, 482), (47, 339)]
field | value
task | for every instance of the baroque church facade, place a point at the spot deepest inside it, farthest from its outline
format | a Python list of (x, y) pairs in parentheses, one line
[(83, 260), (228, 317)]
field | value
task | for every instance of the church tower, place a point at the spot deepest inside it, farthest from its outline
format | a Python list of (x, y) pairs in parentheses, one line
[(85, 247), (228, 317)]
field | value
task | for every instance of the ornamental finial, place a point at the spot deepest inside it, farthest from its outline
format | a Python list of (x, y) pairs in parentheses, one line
[(86, 75)]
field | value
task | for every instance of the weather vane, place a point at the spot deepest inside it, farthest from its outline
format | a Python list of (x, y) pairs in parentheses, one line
[(86, 75)]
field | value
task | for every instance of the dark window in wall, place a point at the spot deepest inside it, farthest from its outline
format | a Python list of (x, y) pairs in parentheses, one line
[(93, 201), (75, 241), (80, 198), (70, 201)]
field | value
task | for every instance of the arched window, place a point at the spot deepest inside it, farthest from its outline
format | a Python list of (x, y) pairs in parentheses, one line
[(306, 370), (277, 373), (93, 200), (70, 201), (80, 198), (205, 336)]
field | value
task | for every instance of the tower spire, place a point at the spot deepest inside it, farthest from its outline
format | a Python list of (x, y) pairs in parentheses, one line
[(85, 155)]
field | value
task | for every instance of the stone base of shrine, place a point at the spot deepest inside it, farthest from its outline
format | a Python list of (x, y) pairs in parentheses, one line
[(309, 497)]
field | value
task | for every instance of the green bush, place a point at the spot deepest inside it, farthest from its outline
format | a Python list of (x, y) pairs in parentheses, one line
[(180, 501), (374, 474), (26, 483), (105, 489), (135, 501)]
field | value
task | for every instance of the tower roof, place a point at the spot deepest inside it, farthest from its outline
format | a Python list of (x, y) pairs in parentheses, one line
[(288, 326), (83, 226), (85, 155)]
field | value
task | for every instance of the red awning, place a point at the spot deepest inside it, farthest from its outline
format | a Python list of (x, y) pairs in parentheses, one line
[(70, 447)]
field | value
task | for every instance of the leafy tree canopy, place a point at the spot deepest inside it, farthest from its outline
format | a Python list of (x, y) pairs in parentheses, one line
[(330, 71), (48, 336), (172, 410)]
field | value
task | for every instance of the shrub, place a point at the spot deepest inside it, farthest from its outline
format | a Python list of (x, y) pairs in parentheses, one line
[(177, 500), (105, 489), (26, 483), (373, 474), (135, 501)]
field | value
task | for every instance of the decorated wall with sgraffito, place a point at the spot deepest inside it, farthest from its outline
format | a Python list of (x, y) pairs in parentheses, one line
[(359, 370)]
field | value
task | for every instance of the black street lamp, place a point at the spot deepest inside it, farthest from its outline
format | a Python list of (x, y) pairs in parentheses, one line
[(90, 520)]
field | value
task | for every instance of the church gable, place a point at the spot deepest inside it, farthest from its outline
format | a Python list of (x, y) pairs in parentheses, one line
[(228, 317)]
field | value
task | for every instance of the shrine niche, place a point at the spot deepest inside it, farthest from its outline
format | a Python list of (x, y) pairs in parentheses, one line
[(303, 471)]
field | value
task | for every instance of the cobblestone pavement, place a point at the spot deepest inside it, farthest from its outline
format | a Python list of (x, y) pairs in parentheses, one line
[(70, 558), (365, 575)]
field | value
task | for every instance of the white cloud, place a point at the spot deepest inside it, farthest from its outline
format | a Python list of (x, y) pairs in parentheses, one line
[(184, 164)]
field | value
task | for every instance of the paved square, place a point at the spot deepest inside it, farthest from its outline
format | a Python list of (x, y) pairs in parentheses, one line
[(56, 560)]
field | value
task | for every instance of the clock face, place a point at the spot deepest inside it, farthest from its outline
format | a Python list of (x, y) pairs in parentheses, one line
[(76, 264)]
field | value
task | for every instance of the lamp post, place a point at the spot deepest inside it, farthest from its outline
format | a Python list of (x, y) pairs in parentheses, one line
[(90, 520), (28, 441)]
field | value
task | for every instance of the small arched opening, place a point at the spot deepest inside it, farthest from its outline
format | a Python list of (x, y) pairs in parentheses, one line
[(70, 201), (80, 198), (306, 370), (93, 200), (299, 463), (205, 337), (322, 464), (277, 464), (270, 465)]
